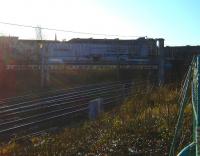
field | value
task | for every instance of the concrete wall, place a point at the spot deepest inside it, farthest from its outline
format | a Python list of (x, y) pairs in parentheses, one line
[(84, 50), (94, 52)]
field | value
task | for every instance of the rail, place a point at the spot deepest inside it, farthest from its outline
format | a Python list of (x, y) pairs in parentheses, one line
[(26, 115)]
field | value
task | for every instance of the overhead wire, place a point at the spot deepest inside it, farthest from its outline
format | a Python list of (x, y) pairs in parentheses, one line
[(69, 31)]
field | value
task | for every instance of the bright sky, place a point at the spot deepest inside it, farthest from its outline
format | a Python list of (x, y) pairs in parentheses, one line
[(178, 21)]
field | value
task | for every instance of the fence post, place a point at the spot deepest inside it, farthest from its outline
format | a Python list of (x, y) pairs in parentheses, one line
[(197, 129)]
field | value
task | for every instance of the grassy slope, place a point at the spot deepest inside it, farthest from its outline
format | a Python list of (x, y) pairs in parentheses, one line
[(15, 83), (23, 82), (144, 124)]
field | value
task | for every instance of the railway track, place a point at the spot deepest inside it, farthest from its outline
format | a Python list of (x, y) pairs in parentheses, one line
[(48, 94), (26, 115)]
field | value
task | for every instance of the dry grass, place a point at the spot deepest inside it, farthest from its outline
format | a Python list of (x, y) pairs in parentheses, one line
[(143, 125)]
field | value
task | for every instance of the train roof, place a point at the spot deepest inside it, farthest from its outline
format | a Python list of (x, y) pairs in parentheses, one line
[(108, 41)]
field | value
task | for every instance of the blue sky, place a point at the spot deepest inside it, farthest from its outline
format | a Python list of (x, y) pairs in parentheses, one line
[(175, 20), (178, 21)]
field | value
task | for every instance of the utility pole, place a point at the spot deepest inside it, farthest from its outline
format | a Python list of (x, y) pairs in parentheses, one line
[(43, 53), (118, 60), (161, 70), (46, 67)]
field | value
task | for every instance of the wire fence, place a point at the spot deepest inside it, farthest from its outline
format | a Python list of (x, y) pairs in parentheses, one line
[(191, 78)]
